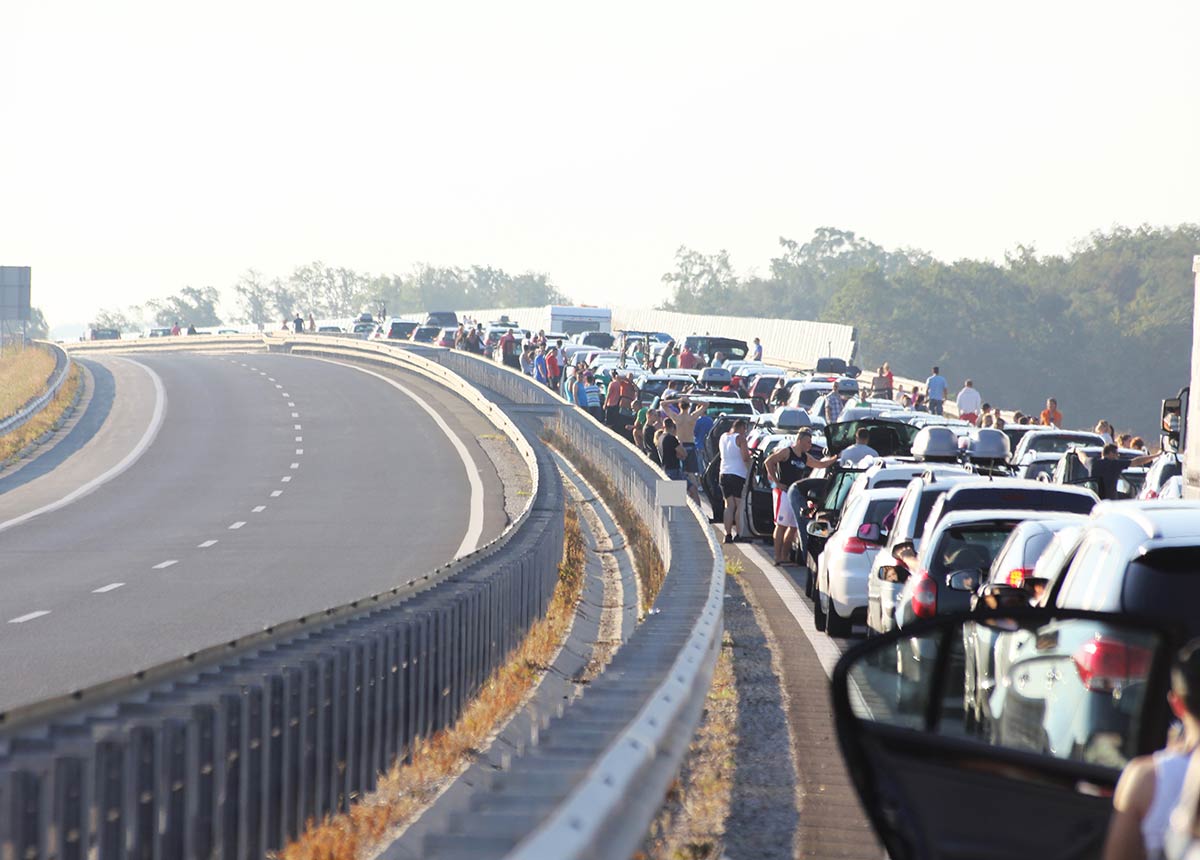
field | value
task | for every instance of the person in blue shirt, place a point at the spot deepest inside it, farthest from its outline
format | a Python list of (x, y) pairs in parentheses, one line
[(540, 371), (935, 389), (703, 424)]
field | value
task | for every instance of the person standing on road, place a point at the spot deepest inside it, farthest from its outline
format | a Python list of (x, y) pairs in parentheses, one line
[(935, 391), (312, 322), (735, 468), (835, 401), (1150, 785), (756, 353), (553, 372), (880, 385), (685, 429), (785, 467), (1106, 469), (297, 323), (541, 370), (175, 329), (891, 378), (670, 452), (1050, 416), (969, 403), (687, 358)]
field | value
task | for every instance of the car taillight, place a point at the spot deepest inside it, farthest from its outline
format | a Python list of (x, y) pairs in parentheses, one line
[(924, 598), (1017, 575), (854, 546), (1105, 665)]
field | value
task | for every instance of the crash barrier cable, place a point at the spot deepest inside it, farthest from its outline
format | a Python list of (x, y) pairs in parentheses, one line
[(62, 369), (230, 756)]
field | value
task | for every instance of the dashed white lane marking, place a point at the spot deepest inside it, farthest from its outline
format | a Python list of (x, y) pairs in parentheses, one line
[(156, 421), (163, 565), (21, 619), (105, 589), (471, 539), (286, 478), (275, 494), (262, 373), (291, 404), (237, 525), (277, 385), (285, 394), (299, 451), (295, 466), (297, 426), (207, 544), (295, 414), (270, 378), (258, 509), (299, 438)]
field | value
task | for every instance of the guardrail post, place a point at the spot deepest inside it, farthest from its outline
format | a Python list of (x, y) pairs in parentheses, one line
[(22, 813), (251, 773), (341, 703), (292, 752), (69, 820), (139, 797), (228, 784), (201, 793), (274, 741), (172, 782), (353, 725)]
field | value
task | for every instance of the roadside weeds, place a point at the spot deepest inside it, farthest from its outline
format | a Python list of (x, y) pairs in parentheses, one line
[(407, 789), (14, 443)]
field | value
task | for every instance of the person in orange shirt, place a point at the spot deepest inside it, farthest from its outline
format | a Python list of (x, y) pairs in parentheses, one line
[(1051, 417)]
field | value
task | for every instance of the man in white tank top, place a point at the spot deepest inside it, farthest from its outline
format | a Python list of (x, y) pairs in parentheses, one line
[(1150, 785)]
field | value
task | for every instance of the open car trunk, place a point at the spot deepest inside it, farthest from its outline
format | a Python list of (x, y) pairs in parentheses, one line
[(888, 438)]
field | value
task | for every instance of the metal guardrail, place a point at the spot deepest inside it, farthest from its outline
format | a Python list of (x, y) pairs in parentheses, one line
[(598, 776), (62, 368), (231, 759), (592, 786)]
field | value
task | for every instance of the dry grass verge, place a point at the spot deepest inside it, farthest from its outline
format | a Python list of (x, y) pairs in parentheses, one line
[(23, 376), (408, 788), (691, 824), (11, 444), (646, 560)]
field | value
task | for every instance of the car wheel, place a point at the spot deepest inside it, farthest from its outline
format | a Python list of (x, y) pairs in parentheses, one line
[(818, 611), (836, 625)]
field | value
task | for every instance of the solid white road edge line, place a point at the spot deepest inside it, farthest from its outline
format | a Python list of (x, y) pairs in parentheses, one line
[(156, 421), (827, 652), (21, 619), (470, 541)]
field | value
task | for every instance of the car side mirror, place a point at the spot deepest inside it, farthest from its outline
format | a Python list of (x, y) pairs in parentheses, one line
[(963, 580), (870, 532), (893, 573), (819, 529)]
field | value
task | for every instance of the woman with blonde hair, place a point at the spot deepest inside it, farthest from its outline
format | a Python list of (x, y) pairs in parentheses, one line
[(1105, 430)]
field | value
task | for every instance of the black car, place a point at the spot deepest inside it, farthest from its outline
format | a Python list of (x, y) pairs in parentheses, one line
[(442, 319), (401, 330), (707, 346), (426, 334)]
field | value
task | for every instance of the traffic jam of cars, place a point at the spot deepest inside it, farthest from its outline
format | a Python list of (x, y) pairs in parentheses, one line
[(1008, 618)]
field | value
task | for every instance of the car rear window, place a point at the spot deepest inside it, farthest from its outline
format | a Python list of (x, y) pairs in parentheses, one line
[(1023, 498), (1165, 583), (1058, 444), (969, 547)]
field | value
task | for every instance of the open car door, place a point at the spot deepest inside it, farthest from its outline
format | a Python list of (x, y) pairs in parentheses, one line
[(1074, 695)]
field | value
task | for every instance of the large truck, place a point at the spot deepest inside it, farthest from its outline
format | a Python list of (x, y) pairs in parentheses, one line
[(1180, 413)]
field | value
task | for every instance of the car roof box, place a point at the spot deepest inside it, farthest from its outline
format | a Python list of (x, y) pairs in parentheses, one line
[(935, 443), (987, 443), (790, 418), (715, 376)]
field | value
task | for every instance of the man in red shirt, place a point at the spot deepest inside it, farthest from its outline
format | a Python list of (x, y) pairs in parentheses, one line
[(553, 371), (687, 359)]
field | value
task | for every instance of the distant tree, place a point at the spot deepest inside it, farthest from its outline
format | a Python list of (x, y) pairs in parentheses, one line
[(38, 327), (254, 299), (116, 319), (190, 306), (702, 283)]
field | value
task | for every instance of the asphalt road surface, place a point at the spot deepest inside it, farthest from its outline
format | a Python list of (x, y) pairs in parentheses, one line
[(199, 498)]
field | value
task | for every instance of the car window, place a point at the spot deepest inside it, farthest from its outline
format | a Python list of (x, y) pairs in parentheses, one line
[(1165, 583), (967, 547), (878, 509), (1089, 580), (1058, 443)]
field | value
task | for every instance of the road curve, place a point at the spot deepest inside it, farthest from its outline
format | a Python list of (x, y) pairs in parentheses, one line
[(273, 486)]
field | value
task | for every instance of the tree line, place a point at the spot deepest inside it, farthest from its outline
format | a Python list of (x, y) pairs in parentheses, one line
[(329, 292), (1105, 328)]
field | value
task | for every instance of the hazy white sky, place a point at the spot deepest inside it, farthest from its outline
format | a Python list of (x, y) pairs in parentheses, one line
[(151, 145)]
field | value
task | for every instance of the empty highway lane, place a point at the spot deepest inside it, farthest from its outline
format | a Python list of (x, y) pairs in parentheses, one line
[(205, 497)]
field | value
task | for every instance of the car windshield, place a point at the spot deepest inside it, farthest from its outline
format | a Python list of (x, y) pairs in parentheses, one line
[(808, 397)]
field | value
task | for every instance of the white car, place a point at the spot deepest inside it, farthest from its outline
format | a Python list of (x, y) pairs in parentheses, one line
[(840, 595)]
